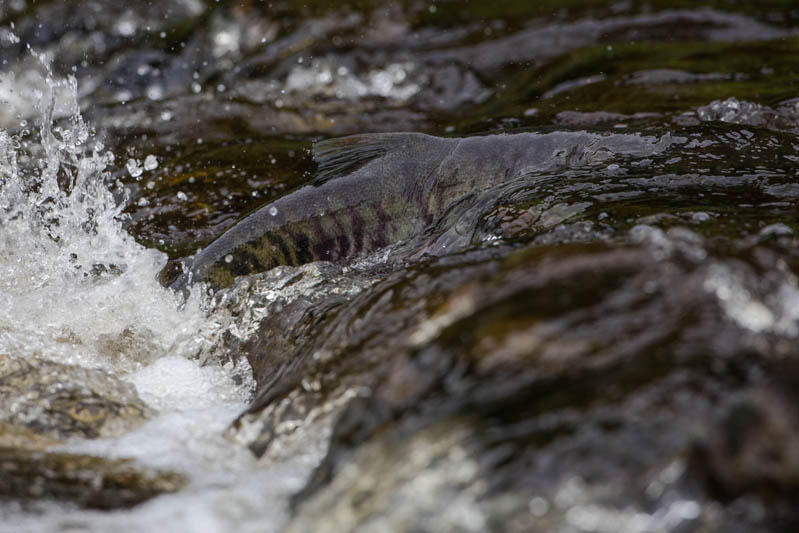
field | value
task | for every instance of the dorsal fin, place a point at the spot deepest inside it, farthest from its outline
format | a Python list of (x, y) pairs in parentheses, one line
[(342, 155)]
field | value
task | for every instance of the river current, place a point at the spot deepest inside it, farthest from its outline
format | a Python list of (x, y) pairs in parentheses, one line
[(78, 291), (605, 342)]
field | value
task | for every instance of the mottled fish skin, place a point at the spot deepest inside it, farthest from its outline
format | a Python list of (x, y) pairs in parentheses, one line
[(376, 189)]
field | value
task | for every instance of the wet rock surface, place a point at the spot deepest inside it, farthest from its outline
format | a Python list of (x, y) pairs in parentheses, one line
[(82, 480), (60, 401), (550, 388), (45, 403), (606, 343)]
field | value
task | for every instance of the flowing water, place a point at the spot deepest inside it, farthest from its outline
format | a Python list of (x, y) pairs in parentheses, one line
[(605, 341), (77, 290)]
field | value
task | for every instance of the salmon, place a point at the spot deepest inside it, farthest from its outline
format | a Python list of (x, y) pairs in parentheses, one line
[(372, 190)]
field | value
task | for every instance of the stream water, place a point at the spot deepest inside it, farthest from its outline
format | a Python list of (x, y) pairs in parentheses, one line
[(602, 340), (78, 291)]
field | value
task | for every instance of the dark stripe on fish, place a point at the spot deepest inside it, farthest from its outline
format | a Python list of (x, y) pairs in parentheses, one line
[(277, 242), (376, 189), (303, 247)]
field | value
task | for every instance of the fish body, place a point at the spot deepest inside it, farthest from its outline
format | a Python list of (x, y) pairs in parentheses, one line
[(373, 190)]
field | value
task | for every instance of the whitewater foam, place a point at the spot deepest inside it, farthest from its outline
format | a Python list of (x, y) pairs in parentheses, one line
[(76, 288)]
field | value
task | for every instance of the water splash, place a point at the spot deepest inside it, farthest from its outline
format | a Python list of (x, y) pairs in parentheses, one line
[(74, 286)]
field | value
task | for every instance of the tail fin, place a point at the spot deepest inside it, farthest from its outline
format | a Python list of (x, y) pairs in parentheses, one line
[(343, 155)]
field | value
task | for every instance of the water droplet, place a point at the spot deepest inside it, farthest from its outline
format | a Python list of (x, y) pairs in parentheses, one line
[(126, 28), (123, 96), (133, 168), (273, 211), (195, 88), (155, 92), (150, 162), (228, 258), (181, 196), (538, 506)]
